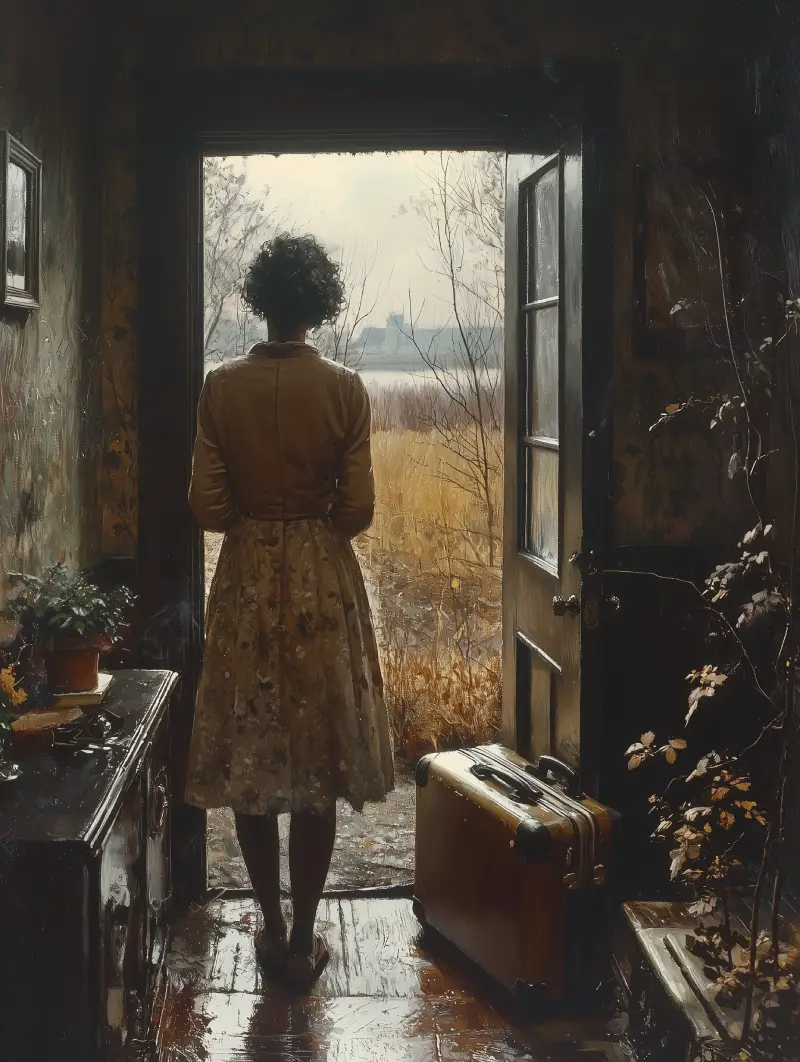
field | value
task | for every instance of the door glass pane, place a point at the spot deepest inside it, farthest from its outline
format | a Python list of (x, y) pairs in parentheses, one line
[(543, 371), (543, 504), (543, 237)]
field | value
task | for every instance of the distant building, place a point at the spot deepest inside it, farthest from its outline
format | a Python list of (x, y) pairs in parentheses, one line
[(395, 347), (398, 344)]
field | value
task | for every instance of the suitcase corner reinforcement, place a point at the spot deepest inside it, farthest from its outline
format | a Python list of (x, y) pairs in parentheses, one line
[(533, 841), (422, 769)]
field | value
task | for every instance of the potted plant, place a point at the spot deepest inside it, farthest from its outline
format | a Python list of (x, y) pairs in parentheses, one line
[(12, 697), (12, 701), (74, 621)]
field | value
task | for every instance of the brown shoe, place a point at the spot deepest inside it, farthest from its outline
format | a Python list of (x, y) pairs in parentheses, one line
[(302, 971)]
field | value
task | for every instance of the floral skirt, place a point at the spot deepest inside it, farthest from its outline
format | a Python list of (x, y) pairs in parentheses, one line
[(290, 712)]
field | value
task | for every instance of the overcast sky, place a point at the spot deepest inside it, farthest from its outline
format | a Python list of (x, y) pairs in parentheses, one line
[(361, 203)]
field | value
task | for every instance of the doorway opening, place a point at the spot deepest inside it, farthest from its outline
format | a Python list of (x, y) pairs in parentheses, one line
[(420, 240)]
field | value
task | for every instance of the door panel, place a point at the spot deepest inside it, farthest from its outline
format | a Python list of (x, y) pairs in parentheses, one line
[(543, 448)]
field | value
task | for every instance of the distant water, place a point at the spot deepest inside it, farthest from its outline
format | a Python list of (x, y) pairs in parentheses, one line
[(411, 377), (394, 377), (398, 378)]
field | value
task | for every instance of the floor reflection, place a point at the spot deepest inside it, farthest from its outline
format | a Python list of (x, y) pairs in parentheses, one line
[(384, 996)]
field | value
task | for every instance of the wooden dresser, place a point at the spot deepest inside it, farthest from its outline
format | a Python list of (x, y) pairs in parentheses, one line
[(85, 887)]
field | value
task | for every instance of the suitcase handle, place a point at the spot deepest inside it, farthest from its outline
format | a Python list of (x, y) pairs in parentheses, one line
[(551, 765), (523, 792)]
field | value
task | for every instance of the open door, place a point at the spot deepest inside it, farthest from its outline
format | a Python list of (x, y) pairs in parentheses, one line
[(553, 525)]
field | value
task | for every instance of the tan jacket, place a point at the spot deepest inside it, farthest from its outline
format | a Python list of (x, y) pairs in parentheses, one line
[(283, 434)]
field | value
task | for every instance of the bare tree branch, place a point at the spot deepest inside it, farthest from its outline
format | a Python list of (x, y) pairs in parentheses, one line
[(462, 211), (234, 225), (340, 340)]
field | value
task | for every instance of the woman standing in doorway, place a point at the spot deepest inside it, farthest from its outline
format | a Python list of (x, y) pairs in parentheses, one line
[(290, 713)]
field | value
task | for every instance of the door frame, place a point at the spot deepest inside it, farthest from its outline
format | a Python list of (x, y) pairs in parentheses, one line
[(183, 116)]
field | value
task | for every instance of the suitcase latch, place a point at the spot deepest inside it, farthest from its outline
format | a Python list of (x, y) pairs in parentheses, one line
[(571, 878)]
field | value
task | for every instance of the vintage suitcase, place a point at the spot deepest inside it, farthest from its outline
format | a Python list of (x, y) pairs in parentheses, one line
[(511, 864)]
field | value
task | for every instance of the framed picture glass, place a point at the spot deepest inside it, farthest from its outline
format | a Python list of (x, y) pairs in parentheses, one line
[(20, 224)]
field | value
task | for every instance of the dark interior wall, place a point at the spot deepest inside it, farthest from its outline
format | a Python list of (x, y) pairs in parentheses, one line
[(696, 126), (675, 509), (775, 83), (49, 359)]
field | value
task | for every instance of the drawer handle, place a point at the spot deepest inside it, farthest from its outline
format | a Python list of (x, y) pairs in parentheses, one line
[(159, 810)]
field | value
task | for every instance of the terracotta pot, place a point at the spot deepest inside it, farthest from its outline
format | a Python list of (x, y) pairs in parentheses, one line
[(72, 666)]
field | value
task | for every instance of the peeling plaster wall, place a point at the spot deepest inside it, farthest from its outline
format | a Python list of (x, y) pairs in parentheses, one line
[(315, 34), (49, 360)]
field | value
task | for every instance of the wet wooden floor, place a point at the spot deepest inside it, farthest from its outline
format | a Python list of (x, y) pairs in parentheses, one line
[(383, 998)]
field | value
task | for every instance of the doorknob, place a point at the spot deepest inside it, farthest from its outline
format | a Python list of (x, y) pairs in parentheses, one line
[(571, 604)]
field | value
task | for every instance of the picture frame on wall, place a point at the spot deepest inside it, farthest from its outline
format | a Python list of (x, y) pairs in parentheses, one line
[(683, 220), (20, 224)]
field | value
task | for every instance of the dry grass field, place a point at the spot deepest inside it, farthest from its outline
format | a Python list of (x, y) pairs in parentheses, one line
[(434, 593), (427, 561)]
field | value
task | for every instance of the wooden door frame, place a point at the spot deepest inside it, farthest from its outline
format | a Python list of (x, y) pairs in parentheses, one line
[(183, 116)]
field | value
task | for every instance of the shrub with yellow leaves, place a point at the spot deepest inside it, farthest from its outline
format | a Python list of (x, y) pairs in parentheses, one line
[(725, 815)]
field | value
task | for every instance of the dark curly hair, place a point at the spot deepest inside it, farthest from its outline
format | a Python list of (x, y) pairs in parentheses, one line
[(292, 282)]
